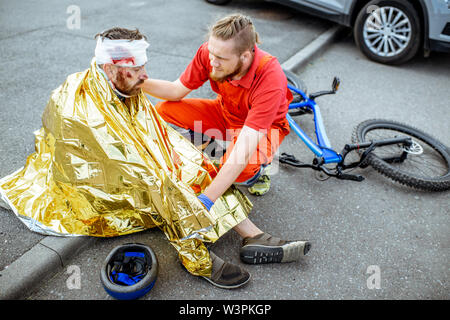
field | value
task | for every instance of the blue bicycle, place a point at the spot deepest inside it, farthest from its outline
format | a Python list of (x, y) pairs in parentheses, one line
[(400, 152)]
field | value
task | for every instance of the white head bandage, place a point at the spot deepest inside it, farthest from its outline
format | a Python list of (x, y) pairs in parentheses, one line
[(124, 53)]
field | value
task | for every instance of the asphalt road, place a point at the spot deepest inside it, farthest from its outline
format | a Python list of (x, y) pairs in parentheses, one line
[(355, 227)]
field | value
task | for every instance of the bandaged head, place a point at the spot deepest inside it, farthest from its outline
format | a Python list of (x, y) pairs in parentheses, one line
[(125, 53)]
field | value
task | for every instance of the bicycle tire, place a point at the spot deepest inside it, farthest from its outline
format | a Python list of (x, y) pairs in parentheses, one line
[(405, 172)]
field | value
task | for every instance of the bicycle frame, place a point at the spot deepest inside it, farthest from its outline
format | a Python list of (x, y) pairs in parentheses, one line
[(322, 148)]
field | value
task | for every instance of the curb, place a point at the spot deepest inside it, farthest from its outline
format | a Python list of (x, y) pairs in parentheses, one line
[(313, 49), (39, 263), (52, 253)]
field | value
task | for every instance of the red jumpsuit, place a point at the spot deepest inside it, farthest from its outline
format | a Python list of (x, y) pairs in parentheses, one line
[(259, 100)]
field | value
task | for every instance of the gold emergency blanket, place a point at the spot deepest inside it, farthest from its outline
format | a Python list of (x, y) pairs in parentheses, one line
[(103, 167)]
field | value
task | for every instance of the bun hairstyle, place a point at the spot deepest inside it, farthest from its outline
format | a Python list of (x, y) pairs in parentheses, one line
[(238, 27)]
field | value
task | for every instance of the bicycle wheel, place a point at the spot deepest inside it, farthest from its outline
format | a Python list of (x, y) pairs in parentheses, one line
[(427, 163)]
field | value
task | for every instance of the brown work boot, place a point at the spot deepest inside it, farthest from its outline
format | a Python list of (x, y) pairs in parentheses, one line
[(265, 248), (226, 275)]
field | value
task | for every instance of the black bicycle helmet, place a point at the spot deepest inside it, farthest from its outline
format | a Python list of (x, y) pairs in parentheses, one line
[(129, 271)]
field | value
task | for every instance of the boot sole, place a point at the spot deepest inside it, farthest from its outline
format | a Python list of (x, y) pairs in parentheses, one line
[(261, 254), (222, 286), (227, 286)]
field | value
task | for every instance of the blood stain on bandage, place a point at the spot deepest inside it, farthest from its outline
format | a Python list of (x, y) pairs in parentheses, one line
[(126, 61)]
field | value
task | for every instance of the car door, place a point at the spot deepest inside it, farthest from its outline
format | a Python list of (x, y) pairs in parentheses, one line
[(329, 6)]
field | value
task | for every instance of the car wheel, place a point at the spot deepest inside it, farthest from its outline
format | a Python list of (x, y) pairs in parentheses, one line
[(218, 2), (388, 31)]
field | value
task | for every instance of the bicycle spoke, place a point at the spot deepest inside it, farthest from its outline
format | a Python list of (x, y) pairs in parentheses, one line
[(419, 162), (425, 164), (430, 171), (415, 163), (430, 165), (418, 169)]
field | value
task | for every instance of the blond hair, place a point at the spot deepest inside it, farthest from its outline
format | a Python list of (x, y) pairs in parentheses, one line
[(238, 27)]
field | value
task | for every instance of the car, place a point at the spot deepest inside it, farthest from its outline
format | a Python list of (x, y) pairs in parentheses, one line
[(386, 31)]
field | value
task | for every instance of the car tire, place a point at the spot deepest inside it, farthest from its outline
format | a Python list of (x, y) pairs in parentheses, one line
[(219, 2), (388, 31)]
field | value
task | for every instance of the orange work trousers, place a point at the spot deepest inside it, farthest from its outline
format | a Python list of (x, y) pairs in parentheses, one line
[(210, 118)]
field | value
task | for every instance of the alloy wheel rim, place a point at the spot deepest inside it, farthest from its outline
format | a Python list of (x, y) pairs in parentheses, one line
[(387, 31)]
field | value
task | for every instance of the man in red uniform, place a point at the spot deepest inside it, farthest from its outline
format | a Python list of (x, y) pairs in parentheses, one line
[(249, 111)]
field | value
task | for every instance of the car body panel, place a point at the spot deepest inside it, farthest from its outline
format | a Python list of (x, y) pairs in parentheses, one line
[(339, 6), (319, 8), (436, 16)]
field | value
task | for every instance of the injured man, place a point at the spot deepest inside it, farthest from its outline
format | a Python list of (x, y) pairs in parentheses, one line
[(106, 164)]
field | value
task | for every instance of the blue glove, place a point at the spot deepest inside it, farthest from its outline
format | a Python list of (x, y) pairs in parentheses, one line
[(206, 201)]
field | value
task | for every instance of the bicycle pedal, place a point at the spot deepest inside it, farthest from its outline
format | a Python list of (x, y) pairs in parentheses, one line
[(300, 112), (353, 177), (291, 160), (288, 157)]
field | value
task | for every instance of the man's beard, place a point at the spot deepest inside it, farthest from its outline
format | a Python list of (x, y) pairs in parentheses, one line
[(230, 75), (129, 90)]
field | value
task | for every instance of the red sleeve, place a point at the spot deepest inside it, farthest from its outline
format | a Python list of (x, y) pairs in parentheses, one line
[(267, 99), (197, 72)]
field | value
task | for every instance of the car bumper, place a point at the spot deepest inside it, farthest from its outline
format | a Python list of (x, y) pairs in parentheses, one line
[(440, 46)]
